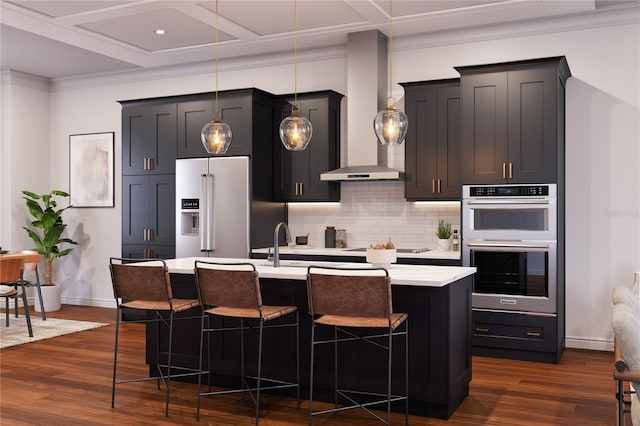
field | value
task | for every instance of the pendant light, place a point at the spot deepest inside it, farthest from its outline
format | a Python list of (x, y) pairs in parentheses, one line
[(295, 131), (390, 124), (216, 135)]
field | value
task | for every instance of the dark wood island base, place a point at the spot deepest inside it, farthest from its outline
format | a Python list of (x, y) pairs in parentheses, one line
[(439, 346)]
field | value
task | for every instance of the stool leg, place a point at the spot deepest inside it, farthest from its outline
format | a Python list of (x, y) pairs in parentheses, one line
[(242, 325), (168, 385), (115, 357), (297, 343), (406, 372), (389, 359), (335, 371), (259, 371), (6, 311), (313, 346), (200, 364)]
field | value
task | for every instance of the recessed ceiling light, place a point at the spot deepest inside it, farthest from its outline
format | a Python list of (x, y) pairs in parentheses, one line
[(160, 31)]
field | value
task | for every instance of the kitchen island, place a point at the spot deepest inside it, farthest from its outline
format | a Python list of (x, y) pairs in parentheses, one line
[(437, 299)]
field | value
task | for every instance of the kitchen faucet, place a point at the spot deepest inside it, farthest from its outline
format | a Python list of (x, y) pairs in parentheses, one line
[(276, 248)]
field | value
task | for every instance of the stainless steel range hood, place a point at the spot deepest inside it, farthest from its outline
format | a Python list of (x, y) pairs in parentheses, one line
[(366, 95)]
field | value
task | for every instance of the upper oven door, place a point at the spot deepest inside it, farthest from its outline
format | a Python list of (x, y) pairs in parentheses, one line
[(510, 218)]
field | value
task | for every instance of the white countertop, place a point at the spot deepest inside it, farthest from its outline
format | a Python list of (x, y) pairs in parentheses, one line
[(309, 250), (413, 275)]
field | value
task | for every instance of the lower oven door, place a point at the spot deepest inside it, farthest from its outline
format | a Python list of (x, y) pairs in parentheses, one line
[(513, 276)]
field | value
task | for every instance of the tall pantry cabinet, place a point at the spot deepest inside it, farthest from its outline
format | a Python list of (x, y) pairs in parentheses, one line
[(149, 131)]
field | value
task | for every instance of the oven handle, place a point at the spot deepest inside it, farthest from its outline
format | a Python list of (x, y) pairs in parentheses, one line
[(506, 202), (508, 245)]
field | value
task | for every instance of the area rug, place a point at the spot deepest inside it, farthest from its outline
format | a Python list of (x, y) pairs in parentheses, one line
[(17, 333)]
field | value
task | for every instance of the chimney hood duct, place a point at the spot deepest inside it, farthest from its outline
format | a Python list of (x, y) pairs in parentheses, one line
[(366, 95)]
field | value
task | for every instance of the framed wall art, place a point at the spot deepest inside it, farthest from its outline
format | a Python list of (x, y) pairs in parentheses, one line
[(91, 179)]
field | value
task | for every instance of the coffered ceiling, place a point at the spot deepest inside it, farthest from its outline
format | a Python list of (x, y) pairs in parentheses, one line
[(58, 39)]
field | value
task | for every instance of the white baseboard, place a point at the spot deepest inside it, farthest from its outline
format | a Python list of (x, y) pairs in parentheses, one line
[(590, 344), (98, 303)]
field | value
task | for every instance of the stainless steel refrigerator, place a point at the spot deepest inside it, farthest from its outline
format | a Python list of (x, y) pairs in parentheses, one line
[(213, 207)]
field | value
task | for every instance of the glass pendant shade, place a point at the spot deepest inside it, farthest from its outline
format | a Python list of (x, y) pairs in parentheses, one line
[(390, 126), (216, 137), (295, 132)]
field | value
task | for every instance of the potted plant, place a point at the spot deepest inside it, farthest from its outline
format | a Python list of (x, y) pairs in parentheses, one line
[(443, 233), (46, 232)]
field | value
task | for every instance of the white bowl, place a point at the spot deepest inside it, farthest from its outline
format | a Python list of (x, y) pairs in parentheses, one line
[(381, 258)]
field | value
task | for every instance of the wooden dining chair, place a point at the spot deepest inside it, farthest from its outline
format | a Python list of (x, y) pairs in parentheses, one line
[(31, 259), (11, 272)]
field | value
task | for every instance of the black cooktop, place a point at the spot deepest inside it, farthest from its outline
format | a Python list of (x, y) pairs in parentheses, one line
[(400, 250)]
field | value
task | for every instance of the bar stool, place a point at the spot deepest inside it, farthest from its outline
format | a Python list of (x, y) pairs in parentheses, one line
[(356, 303), (11, 276), (145, 286), (232, 290)]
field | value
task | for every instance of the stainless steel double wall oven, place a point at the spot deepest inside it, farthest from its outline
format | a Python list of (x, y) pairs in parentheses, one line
[(510, 234)]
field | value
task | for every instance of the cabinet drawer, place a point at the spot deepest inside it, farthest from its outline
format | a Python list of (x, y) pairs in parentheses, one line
[(517, 331), (503, 330)]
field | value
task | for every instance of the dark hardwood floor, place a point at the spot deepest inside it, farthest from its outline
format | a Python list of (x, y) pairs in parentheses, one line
[(67, 381)]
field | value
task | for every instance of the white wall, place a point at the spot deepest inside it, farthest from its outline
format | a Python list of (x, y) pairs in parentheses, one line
[(603, 98)]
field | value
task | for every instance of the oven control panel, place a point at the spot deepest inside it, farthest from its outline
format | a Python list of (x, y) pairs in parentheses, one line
[(509, 191)]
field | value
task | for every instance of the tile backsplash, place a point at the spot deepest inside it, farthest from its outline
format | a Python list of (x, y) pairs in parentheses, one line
[(373, 212)]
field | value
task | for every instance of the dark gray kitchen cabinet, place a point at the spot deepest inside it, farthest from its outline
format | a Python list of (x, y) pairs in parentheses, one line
[(249, 113), (148, 139), (297, 173), (148, 215), (432, 145), (149, 131), (513, 121)]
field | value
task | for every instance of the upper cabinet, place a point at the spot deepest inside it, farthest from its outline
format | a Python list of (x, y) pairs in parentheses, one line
[(297, 173), (432, 144), (148, 139), (513, 121), (248, 112)]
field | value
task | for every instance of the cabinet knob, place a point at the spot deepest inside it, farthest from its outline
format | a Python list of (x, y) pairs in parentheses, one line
[(482, 329), (510, 170), (504, 170)]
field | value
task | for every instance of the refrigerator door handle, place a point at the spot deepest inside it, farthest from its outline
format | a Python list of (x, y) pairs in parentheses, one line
[(207, 228)]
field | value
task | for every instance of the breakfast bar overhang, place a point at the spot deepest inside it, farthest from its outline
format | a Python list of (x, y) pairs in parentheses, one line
[(437, 299)]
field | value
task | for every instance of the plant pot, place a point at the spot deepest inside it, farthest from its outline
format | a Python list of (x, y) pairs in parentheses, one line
[(443, 244), (50, 298)]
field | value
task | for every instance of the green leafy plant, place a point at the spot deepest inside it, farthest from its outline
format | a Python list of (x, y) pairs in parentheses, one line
[(444, 230), (47, 227)]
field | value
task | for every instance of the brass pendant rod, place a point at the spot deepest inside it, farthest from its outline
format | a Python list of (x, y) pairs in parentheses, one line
[(295, 53), (390, 48), (215, 108)]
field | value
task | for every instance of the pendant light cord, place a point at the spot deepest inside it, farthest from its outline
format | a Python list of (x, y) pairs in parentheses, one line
[(215, 109), (390, 52), (295, 54), (390, 44)]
